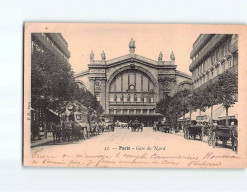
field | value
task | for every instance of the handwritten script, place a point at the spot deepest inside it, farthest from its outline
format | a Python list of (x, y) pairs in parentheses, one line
[(125, 159)]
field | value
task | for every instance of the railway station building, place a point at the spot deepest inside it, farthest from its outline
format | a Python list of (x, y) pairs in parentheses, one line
[(129, 86)]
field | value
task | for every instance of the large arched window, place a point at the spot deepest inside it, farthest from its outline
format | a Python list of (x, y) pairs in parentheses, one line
[(132, 86)]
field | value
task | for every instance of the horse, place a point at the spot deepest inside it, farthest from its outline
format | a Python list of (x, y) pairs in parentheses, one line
[(57, 133), (76, 131), (136, 126), (66, 131), (94, 129)]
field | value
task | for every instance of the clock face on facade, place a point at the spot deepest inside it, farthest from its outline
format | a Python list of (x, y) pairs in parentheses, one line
[(131, 87), (167, 85)]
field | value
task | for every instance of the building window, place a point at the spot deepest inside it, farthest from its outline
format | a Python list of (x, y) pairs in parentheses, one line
[(151, 111), (118, 111), (138, 111), (111, 111), (229, 63), (98, 97), (235, 59)]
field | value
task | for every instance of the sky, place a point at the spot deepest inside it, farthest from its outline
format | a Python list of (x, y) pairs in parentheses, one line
[(114, 40)]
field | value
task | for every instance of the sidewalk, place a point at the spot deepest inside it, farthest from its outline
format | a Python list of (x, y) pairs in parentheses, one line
[(43, 141)]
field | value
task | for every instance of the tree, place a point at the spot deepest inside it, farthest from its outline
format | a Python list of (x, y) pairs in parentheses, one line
[(51, 79), (162, 106), (227, 90), (175, 106), (53, 85), (210, 96)]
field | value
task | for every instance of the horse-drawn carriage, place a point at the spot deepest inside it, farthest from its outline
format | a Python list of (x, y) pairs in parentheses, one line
[(136, 126), (109, 124), (162, 126), (193, 131), (166, 128), (223, 134), (77, 122)]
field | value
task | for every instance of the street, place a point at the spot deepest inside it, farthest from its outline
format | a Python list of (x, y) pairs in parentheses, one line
[(135, 143)]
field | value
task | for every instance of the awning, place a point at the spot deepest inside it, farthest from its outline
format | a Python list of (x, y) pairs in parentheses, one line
[(205, 116), (184, 118), (232, 112)]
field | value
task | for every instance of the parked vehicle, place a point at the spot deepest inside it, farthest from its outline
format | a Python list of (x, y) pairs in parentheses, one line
[(193, 131), (223, 134), (109, 124)]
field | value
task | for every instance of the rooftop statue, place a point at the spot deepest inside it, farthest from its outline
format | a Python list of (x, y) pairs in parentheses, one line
[(91, 56), (103, 55), (172, 57), (132, 46), (160, 56)]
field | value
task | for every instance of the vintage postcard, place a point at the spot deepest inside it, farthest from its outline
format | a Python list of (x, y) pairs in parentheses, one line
[(135, 95)]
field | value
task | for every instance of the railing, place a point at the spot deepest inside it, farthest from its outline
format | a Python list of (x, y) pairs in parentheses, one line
[(199, 43), (132, 103), (212, 43), (214, 79)]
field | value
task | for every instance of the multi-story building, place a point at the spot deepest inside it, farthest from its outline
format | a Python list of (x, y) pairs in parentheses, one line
[(55, 44), (129, 86), (52, 42), (211, 55)]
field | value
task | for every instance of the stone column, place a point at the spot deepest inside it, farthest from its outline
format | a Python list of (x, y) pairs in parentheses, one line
[(103, 94), (91, 85)]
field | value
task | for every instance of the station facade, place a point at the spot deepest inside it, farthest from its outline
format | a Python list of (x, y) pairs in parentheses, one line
[(128, 87)]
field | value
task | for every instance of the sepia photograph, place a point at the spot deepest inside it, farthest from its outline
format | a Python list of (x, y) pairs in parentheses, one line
[(123, 96), (133, 95)]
